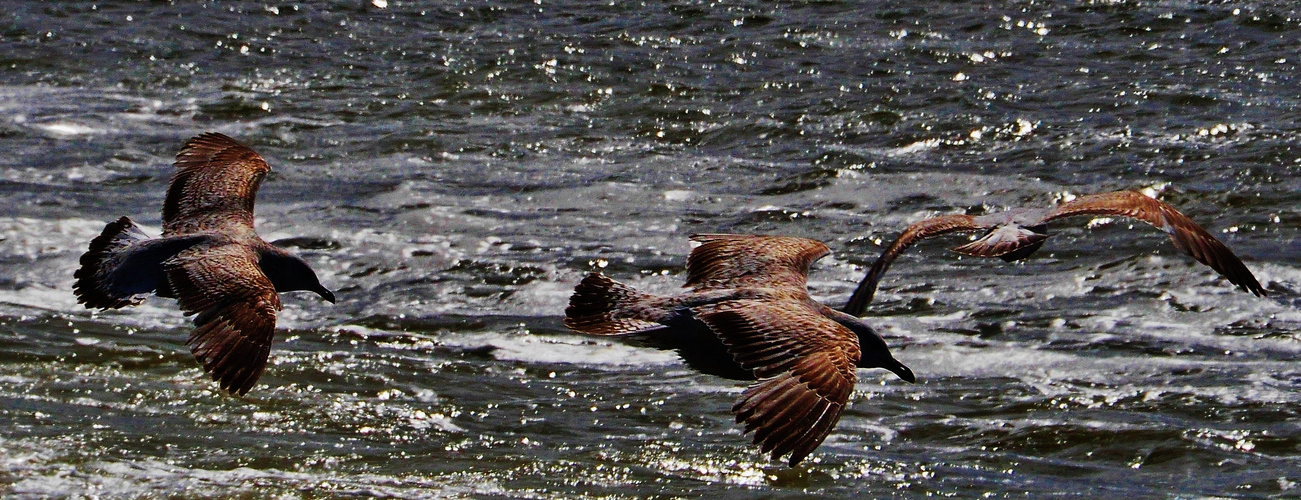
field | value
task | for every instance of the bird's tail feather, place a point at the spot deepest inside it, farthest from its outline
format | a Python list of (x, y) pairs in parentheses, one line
[(600, 306), (93, 286)]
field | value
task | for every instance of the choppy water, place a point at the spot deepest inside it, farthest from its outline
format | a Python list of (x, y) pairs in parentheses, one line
[(451, 169)]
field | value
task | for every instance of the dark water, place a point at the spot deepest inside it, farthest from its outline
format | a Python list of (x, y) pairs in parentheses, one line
[(452, 169)]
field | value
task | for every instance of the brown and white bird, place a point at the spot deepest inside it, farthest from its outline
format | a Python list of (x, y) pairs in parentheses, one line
[(749, 316), (1016, 234), (209, 259)]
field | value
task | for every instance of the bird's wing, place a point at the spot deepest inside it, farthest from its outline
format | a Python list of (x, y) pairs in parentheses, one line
[(918, 231), (214, 187), (236, 306), (1187, 235), (806, 369), (736, 260)]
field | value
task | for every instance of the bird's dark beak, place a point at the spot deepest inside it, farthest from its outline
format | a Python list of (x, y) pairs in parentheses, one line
[(326, 294), (903, 372)]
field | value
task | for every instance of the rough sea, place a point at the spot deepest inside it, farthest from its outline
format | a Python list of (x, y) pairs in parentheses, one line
[(452, 169)]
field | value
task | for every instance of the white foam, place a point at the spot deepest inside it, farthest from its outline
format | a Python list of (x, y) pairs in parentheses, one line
[(68, 129), (678, 195), (916, 147), (552, 349)]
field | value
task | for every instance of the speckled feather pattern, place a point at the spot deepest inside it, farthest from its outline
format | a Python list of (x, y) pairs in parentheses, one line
[(807, 364), (214, 187), (236, 306), (734, 261)]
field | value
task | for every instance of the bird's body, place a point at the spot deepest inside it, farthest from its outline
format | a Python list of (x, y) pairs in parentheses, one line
[(209, 258), (1017, 233), (748, 316)]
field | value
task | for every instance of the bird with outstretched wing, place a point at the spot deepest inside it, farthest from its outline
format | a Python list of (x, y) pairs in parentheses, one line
[(209, 258), (748, 316), (1017, 233)]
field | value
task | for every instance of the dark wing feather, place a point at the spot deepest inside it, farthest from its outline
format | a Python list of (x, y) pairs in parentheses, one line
[(236, 306), (214, 188), (1187, 235), (806, 365), (918, 231), (735, 261), (603, 306)]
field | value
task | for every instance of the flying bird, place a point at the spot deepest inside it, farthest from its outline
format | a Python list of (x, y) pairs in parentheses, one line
[(1016, 234), (748, 316), (209, 259)]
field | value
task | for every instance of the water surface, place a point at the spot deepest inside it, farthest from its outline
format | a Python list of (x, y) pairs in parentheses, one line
[(452, 169)]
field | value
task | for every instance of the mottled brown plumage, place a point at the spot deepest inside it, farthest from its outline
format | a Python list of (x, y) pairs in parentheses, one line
[(806, 364), (737, 260), (209, 258), (748, 316), (1015, 234), (214, 188)]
